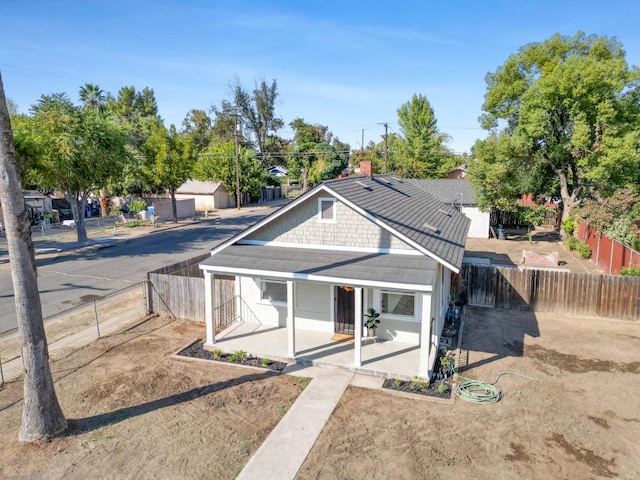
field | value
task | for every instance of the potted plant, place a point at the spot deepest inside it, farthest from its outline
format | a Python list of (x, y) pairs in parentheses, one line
[(372, 321)]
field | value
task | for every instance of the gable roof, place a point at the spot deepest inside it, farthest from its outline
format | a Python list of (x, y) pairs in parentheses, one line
[(199, 187), (449, 190), (400, 206)]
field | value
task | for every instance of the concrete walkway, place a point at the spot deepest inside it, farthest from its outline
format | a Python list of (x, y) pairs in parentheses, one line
[(286, 448)]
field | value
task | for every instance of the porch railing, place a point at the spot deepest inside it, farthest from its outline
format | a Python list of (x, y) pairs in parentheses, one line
[(233, 310)]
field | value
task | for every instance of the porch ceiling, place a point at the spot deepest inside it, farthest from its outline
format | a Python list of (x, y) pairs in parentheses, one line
[(416, 272)]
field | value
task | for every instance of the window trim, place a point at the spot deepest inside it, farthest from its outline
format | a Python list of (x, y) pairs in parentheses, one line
[(267, 301), (398, 315), (333, 210)]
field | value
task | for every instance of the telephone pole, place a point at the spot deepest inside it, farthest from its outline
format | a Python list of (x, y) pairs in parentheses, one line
[(236, 134), (386, 147)]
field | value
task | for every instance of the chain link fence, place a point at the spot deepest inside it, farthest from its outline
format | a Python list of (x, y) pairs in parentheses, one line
[(77, 326)]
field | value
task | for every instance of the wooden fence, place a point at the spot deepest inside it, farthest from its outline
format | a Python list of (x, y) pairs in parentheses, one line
[(604, 296), (610, 255), (178, 291)]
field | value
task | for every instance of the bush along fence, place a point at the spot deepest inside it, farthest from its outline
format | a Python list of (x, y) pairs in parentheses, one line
[(610, 255), (606, 296), (78, 326)]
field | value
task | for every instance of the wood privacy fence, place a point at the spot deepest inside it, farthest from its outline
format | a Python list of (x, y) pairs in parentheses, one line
[(552, 291), (178, 291), (610, 255)]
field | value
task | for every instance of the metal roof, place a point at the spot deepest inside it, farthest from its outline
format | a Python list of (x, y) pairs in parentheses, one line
[(199, 187), (415, 272)]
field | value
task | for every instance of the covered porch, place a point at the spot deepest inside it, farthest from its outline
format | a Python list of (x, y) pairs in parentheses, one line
[(388, 359)]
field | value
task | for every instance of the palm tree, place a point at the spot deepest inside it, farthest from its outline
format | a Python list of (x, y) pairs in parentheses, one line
[(92, 97)]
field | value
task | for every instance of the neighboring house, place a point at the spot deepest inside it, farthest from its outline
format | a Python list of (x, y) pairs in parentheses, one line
[(318, 263), (208, 195), (458, 193), (458, 172), (278, 171)]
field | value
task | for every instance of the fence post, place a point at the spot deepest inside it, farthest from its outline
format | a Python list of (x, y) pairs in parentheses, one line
[(145, 297), (95, 311), (1, 374)]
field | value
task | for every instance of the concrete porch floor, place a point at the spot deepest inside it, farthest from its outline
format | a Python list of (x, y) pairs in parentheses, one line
[(389, 359)]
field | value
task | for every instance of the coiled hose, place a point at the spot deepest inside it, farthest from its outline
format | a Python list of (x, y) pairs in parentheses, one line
[(476, 391)]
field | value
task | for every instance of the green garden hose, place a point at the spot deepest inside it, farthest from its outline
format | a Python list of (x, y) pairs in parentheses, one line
[(476, 391)]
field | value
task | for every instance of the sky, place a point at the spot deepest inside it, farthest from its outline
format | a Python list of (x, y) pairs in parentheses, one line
[(345, 64)]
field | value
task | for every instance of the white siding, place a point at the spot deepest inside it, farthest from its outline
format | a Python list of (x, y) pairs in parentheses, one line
[(479, 227), (264, 312), (400, 330), (313, 307)]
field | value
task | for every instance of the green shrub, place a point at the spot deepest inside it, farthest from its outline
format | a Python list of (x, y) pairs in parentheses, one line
[(137, 206), (569, 225), (418, 383), (583, 250), (572, 243), (632, 271), (442, 387)]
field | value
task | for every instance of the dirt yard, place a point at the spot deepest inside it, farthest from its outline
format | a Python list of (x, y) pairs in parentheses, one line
[(135, 412), (582, 421), (138, 413)]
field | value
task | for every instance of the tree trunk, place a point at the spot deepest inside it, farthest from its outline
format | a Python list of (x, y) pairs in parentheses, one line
[(305, 179), (104, 202), (568, 199), (78, 207), (42, 416), (174, 206)]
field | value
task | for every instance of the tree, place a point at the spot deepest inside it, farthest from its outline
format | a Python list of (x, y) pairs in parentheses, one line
[(73, 150), (419, 149), (92, 97), (198, 125), (217, 164), (137, 111), (258, 113), (568, 108), (169, 161), (42, 416)]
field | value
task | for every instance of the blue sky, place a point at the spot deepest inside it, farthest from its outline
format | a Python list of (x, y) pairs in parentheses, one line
[(348, 65)]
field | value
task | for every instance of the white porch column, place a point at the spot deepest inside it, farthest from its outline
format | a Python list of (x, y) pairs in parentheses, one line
[(357, 328), (291, 319), (209, 321), (425, 336)]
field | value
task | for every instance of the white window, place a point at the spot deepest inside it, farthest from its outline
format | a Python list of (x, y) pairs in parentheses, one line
[(327, 210), (398, 303), (273, 291)]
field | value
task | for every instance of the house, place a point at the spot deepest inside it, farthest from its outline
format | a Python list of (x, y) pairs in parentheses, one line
[(278, 171), (458, 172), (458, 193), (208, 195), (314, 266)]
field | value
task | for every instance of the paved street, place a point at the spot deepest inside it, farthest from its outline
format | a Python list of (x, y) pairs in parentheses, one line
[(114, 260)]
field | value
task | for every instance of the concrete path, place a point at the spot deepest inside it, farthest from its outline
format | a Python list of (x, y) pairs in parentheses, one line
[(286, 448)]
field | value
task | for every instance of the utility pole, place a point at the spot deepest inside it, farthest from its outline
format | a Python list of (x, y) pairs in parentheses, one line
[(236, 134), (386, 147)]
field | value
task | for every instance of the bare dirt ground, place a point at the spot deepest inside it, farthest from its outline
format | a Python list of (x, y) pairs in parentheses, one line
[(582, 421), (138, 413), (135, 412)]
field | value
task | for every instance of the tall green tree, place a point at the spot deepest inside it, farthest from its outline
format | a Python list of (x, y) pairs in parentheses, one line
[(42, 416), (197, 124), (92, 97), (568, 109), (137, 111), (217, 164), (419, 150), (258, 110), (73, 150), (169, 160)]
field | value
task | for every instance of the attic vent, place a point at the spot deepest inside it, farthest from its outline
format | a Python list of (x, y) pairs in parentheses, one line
[(428, 226), (445, 212), (397, 179), (362, 184), (384, 180)]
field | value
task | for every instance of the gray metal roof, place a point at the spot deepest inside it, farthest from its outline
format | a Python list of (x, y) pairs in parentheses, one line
[(449, 190), (358, 268), (199, 187), (407, 208)]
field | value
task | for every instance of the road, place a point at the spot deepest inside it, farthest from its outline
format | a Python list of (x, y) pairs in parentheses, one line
[(72, 277)]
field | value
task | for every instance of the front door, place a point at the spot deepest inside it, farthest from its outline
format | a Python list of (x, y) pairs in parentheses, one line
[(345, 300)]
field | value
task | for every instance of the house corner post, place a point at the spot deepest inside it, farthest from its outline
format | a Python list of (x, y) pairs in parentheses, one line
[(426, 336), (209, 320), (291, 319), (357, 328)]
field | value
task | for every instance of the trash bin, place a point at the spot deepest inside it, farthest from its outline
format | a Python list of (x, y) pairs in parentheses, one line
[(151, 210), (502, 233)]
